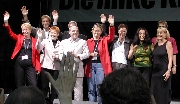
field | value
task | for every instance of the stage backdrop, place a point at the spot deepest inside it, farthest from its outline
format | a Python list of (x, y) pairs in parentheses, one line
[(123, 10)]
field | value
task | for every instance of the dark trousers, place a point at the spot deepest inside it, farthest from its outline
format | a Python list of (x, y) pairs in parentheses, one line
[(146, 73), (25, 73), (170, 90), (117, 66), (45, 82)]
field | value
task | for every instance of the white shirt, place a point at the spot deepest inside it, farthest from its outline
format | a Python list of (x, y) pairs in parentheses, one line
[(118, 53), (46, 34)]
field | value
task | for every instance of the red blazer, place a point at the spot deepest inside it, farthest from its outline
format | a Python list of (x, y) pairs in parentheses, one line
[(103, 52), (19, 41)]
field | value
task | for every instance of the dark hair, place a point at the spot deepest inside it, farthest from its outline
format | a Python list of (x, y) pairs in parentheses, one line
[(124, 86), (122, 26), (26, 95), (147, 39)]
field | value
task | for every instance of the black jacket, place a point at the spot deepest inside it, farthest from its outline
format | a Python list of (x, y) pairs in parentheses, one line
[(127, 44)]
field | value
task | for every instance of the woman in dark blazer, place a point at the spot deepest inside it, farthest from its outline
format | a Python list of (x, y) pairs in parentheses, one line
[(27, 57)]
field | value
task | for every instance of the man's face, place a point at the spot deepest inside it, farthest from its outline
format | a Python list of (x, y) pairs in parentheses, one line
[(45, 23), (162, 25), (122, 33), (74, 32)]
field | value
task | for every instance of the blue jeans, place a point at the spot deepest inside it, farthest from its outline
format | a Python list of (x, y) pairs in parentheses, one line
[(97, 76)]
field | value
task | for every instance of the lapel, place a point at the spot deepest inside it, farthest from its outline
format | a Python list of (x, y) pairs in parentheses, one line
[(91, 45), (44, 35), (21, 41), (33, 43), (57, 44), (51, 43)]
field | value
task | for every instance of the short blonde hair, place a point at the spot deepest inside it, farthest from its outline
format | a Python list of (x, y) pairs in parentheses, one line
[(97, 25), (46, 16), (165, 31), (28, 25)]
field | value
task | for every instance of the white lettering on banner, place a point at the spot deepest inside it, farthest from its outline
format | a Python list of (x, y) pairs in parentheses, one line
[(123, 10)]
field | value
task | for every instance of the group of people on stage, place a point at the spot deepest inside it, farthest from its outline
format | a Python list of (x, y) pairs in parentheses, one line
[(41, 50)]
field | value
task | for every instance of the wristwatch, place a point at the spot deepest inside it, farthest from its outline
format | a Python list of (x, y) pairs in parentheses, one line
[(175, 65)]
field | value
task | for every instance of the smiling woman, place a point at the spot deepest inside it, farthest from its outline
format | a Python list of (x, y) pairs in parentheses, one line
[(50, 62), (27, 57), (140, 51)]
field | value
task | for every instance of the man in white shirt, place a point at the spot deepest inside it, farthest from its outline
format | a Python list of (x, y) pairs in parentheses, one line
[(119, 49), (78, 47)]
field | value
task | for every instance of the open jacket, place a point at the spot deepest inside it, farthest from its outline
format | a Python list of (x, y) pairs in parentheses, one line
[(19, 42), (103, 52), (127, 44)]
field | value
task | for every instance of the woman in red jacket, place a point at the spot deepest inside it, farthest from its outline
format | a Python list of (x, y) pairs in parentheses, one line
[(99, 63), (27, 56)]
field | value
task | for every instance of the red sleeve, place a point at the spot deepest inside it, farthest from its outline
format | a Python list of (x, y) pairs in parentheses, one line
[(153, 40), (173, 42), (110, 37), (11, 33)]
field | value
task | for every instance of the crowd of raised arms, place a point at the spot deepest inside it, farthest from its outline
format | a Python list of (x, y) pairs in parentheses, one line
[(119, 70)]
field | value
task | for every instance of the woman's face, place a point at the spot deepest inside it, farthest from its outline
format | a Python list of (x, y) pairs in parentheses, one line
[(53, 34), (26, 31), (97, 32), (161, 35), (142, 35)]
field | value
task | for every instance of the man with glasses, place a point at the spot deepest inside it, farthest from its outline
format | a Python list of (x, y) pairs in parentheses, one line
[(163, 24)]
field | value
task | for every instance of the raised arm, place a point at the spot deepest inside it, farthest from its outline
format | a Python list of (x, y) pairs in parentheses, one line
[(110, 37), (25, 14), (40, 43), (6, 25), (55, 17), (103, 21)]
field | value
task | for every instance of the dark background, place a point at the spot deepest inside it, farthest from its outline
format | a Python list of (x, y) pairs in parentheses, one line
[(40, 7)]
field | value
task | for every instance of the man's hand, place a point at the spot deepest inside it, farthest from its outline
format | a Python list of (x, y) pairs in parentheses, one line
[(24, 11), (55, 15), (39, 33), (2, 97), (103, 18), (66, 80), (111, 20)]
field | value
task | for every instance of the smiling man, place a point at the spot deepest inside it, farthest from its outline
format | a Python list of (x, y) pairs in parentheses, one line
[(78, 47), (119, 48)]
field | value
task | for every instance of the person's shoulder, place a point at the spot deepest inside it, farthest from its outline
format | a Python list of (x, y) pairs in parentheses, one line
[(169, 43), (171, 39), (91, 39), (153, 38), (64, 41), (82, 40), (82, 36)]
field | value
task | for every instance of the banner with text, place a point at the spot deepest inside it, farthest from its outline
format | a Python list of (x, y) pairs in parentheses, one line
[(123, 10)]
